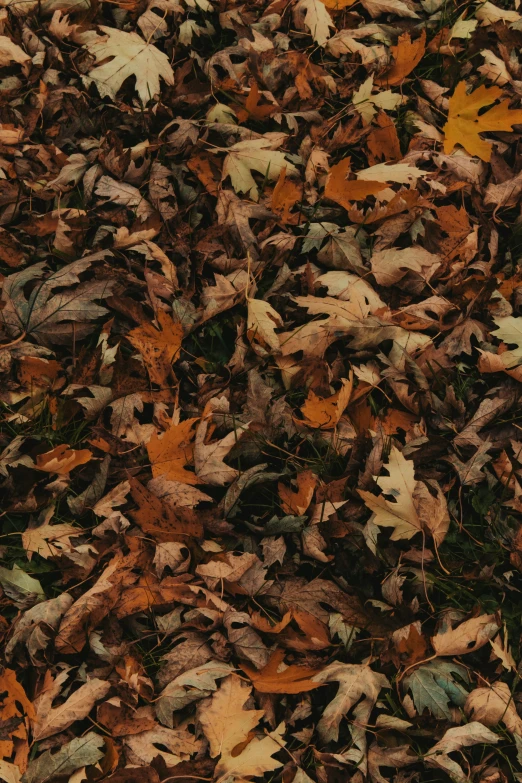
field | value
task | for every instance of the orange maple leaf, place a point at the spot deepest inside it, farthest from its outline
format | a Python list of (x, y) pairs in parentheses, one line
[(406, 56), (253, 110), (172, 451), (158, 348), (293, 679), (298, 502), (464, 123), (286, 193), (325, 413), (344, 191)]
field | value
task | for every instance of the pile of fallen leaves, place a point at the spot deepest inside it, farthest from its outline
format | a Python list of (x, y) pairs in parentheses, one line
[(260, 356)]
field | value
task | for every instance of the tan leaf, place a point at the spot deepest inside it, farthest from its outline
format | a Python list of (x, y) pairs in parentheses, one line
[(62, 459), (51, 720), (492, 705), (228, 726), (261, 324), (466, 637)]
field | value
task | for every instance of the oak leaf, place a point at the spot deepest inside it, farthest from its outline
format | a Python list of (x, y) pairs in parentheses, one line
[(464, 122)]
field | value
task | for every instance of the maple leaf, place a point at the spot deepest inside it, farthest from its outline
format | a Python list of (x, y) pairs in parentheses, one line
[(255, 155), (288, 679), (53, 317), (406, 56), (262, 322), (159, 520), (465, 123), (466, 637), (208, 457), (494, 704), (227, 726), (49, 540), (359, 689), (170, 452), (11, 53), (158, 348), (316, 18), (325, 413), (49, 720), (120, 55), (433, 687), (455, 739), (298, 502), (124, 194), (253, 109), (365, 102), (344, 191), (412, 508)]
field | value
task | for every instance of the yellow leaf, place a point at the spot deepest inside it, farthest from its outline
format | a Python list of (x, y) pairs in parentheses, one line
[(464, 123)]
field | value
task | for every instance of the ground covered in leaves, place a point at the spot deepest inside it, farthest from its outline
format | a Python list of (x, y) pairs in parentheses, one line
[(260, 362)]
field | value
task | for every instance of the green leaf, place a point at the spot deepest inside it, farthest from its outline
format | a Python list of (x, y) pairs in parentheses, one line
[(434, 688), (20, 587), (78, 753)]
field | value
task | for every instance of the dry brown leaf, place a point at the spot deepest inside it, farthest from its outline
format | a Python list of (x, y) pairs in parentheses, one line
[(170, 452), (465, 638), (228, 726), (406, 56), (298, 502), (343, 191), (158, 348), (62, 459), (50, 720), (276, 677)]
